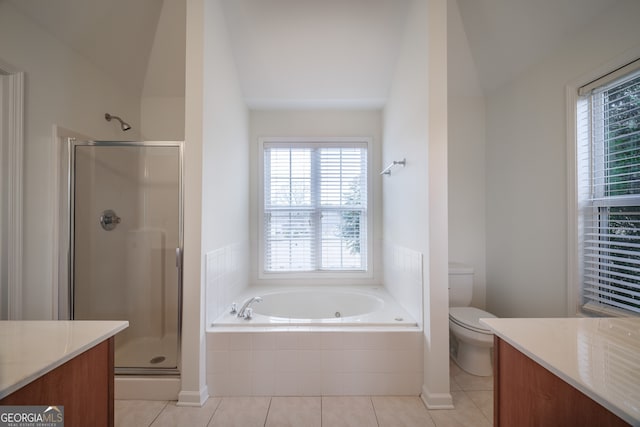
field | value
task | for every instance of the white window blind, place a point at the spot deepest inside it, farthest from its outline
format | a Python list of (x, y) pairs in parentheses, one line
[(609, 193), (315, 207)]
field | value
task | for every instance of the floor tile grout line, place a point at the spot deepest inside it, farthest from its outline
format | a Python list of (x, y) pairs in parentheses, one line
[(375, 414), (429, 411), (465, 391), (476, 405), (266, 417), (160, 412), (214, 411)]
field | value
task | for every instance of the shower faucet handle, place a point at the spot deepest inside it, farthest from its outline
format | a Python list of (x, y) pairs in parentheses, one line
[(234, 308), (109, 220), (248, 313)]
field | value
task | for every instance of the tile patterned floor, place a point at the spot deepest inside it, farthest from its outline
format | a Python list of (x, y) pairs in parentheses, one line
[(472, 396)]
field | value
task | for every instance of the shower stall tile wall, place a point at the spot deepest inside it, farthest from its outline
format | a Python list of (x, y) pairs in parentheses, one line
[(226, 276), (293, 363)]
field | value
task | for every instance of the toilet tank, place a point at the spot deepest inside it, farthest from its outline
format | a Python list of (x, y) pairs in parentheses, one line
[(460, 284)]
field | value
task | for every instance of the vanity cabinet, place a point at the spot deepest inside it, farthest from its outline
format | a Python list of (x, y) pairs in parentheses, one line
[(60, 363), (578, 371), (526, 394), (83, 385)]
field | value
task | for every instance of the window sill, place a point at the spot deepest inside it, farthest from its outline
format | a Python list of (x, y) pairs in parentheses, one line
[(596, 310), (322, 275)]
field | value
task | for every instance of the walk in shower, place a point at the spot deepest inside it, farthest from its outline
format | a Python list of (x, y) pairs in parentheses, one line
[(125, 247)]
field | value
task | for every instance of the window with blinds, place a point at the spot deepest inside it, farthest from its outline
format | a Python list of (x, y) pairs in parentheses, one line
[(315, 206), (609, 192)]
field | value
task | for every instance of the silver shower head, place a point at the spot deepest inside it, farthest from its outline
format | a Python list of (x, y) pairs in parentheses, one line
[(123, 125)]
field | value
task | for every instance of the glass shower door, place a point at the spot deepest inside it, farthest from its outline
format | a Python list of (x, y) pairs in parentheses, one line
[(126, 240)]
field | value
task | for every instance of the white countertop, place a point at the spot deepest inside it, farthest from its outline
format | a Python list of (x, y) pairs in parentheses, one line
[(30, 349), (598, 356)]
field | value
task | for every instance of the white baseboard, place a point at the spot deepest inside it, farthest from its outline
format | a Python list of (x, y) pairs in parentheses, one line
[(140, 388), (193, 398), (436, 400)]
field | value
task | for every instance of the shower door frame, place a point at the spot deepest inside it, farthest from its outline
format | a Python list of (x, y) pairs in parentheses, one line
[(72, 143)]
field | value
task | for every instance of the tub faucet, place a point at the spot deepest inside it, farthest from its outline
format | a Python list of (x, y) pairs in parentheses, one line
[(243, 311)]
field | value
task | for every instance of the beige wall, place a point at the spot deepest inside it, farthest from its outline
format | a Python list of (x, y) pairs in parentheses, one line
[(162, 101), (466, 156), (64, 89), (415, 199), (225, 171), (526, 169), (193, 387), (216, 175), (319, 123)]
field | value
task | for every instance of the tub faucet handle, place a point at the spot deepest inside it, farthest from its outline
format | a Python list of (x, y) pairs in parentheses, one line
[(234, 308), (245, 306), (248, 313)]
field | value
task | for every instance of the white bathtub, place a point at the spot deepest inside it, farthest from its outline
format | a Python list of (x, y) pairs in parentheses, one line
[(319, 306), (296, 346)]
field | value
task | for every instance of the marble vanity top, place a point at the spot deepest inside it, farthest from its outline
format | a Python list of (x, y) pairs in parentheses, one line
[(598, 356), (30, 349)]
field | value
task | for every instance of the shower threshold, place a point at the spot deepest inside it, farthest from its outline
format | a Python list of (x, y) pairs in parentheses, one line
[(147, 356)]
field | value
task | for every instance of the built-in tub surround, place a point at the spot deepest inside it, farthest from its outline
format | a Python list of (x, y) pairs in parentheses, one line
[(403, 272), (226, 276), (368, 353)]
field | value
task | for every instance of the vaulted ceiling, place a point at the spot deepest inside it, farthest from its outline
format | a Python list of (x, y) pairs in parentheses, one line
[(298, 53), (508, 36), (319, 53), (115, 35)]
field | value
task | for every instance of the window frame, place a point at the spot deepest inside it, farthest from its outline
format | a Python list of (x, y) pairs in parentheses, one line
[(574, 94), (316, 274)]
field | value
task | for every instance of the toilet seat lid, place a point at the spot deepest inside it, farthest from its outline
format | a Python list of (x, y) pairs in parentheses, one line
[(469, 317)]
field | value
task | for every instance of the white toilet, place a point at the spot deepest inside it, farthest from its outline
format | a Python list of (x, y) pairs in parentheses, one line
[(470, 341)]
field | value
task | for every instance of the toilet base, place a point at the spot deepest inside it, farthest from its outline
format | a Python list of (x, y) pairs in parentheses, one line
[(473, 359)]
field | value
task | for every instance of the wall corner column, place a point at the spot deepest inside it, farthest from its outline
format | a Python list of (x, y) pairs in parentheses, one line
[(193, 391), (436, 390)]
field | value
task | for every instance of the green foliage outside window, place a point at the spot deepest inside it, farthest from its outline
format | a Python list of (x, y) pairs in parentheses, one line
[(350, 225), (622, 165)]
